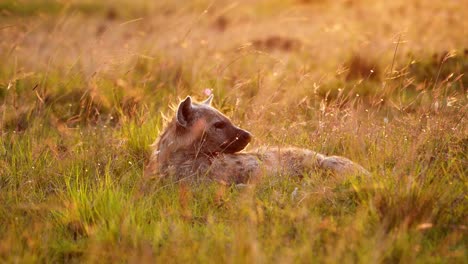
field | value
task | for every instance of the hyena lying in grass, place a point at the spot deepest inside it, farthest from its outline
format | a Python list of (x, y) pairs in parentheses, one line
[(200, 142)]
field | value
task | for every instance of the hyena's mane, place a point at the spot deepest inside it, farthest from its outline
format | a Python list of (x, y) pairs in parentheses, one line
[(181, 138), (175, 142)]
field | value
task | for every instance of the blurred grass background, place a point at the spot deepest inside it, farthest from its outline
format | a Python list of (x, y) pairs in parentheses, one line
[(84, 86)]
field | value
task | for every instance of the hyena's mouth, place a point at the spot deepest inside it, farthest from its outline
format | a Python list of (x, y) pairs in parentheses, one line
[(237, 144)]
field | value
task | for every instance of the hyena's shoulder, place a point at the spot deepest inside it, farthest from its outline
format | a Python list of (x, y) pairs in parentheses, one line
[(236, 168)]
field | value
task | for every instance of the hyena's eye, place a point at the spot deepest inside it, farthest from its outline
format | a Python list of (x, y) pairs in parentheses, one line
[(219, 125)]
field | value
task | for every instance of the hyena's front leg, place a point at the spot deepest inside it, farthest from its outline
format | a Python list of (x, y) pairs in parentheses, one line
[(289, 160), (342, 166), (297, 161)]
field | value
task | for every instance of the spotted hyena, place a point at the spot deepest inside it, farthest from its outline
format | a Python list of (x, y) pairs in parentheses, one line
[(200, 142)]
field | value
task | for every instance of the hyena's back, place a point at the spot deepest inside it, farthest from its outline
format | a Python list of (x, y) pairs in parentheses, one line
[(271, 161)]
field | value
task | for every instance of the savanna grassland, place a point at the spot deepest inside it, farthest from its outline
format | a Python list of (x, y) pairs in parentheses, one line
[(86, 87)]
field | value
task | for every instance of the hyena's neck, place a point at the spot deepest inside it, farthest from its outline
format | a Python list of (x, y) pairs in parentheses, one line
[(178, 151)]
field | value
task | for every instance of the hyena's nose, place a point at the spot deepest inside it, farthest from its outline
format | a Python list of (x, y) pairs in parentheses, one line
[(245, 136)]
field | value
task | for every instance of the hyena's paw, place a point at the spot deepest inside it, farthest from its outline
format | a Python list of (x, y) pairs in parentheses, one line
[(341, 165)]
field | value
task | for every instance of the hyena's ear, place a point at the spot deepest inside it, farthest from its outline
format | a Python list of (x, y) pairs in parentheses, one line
[(208, 100), (185, 112)]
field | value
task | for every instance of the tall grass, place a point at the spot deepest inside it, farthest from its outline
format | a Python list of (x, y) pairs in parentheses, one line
[(85, 90)]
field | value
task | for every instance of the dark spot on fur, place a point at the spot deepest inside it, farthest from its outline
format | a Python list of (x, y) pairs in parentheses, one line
[(243, 175), (238, 162), (260, 157)]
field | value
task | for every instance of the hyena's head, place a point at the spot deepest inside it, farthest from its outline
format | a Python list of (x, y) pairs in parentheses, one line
[(209, 130)]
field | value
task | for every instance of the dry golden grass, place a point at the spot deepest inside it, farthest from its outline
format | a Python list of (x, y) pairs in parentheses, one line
[(84, 86)]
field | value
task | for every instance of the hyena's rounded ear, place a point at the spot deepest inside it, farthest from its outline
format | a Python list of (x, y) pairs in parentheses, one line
[(208, 100), (185, 112)]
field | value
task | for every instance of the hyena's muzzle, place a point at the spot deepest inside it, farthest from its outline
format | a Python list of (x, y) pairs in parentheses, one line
[(239, 139)]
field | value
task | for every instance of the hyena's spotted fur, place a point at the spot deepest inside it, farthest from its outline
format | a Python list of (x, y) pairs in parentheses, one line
[(200, 142)]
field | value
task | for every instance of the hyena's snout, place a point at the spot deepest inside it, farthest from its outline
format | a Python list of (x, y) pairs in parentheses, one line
[(238, 142), (244, 136)]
